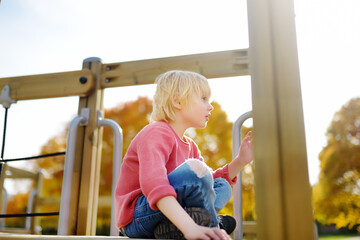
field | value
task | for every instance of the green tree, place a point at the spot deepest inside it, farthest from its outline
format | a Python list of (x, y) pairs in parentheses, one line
[(336, 196)]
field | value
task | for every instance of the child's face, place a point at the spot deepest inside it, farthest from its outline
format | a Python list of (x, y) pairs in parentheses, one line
[(197, 113)]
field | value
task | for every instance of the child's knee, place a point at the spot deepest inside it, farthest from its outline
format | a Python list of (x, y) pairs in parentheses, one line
[(199, 167), (221, 185)]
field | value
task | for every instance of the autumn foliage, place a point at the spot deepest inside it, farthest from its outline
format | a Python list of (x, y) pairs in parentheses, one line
[(336, 197), (215, 143)]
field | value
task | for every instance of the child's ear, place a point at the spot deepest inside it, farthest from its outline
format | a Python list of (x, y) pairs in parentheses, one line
[(176, 103)]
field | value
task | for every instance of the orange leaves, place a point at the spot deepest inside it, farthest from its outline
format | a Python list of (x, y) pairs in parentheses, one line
[(17, 204)]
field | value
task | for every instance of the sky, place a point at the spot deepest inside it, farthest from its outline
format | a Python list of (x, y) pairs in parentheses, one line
[(41, 36)]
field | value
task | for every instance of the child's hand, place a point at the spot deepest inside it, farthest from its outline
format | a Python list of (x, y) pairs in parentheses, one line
[(201, 233), (244, 157), (246, 149)]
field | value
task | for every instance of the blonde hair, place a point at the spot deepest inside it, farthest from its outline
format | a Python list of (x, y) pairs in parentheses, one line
[(180, 84)]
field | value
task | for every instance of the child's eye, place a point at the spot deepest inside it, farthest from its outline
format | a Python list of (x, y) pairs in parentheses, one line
[(204, 98)]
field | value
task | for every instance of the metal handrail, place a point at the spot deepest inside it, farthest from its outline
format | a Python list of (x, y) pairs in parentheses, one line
[(81, 120), (117, 157), (237, 202)]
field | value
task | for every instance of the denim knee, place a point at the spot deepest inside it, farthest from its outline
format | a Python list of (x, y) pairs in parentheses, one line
[(202, 171), (223, 193), (193, 183)]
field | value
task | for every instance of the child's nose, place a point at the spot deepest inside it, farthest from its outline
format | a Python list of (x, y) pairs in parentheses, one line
[(210, 107)]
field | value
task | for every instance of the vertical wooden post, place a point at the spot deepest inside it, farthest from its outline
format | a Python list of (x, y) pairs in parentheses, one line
[(2, 181), (35, 221), (91, 153), (283, 195)]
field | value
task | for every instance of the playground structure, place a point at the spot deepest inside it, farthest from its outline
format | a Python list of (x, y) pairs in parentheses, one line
[(283, 198)]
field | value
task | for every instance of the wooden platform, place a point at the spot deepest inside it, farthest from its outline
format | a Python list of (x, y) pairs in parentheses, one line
[(11, 236)]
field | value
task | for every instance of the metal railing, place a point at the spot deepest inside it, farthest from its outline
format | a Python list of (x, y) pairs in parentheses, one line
[(237, 202), (81, 120), (117, 157)]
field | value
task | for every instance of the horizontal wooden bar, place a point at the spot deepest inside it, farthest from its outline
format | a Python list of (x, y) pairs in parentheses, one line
[(63, 84), (211, 65), (249, 227), (13, 172), (17, 231), (104, 201), (41, 201)]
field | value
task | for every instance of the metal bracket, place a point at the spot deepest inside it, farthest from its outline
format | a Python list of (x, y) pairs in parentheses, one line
[(85, 113), (5, 98)]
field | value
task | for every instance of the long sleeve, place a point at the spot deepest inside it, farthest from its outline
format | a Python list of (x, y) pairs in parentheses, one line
[(153, 155)]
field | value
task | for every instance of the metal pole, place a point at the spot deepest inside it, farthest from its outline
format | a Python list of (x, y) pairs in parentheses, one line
[(68, 170), (117, 157), (237, 202), (4, 134)]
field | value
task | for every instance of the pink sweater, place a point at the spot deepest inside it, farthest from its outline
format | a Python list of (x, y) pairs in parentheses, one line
[(154, 153)]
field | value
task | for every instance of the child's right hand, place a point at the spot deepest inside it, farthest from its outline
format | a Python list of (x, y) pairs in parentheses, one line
[(205, 233)]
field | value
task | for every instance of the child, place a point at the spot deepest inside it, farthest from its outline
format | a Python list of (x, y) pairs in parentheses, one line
[(165, 190)]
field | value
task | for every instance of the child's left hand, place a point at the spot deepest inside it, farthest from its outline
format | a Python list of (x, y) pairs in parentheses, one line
[(246, 149), (244, 156)]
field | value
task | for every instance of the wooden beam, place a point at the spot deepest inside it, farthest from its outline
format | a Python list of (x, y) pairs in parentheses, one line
[(13, 172), (91, 158), (283, 196), (3, 167), (17, 236), (211, 65), (51, 85)]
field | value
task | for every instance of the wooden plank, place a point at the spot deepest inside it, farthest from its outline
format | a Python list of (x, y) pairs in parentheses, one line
[(249, 227), (51, 85), (38, 185), (266, 147), (52, 201), (14, 236), (90, 170), (282, 186), (13, 172), (296, 185), (3, 167), (104, 201), (211, 65)]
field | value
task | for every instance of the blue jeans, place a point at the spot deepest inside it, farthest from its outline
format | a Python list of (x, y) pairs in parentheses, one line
[(194, 186)]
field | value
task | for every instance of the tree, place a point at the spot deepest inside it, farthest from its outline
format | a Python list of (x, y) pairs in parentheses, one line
[(336, 196), (17, 204)]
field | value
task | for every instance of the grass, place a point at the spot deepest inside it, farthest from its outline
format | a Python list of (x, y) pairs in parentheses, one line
[(335, 237), (332, 237)]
